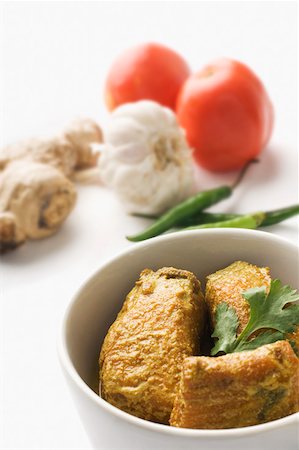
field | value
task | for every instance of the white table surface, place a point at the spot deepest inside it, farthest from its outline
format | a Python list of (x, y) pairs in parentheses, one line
[(54, 60)]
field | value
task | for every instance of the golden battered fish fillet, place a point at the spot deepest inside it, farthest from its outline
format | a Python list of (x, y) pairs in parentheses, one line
[(161, 322), (294, 338), (238, 389), (227, 285)]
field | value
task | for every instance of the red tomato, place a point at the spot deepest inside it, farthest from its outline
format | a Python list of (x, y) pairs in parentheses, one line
[(227, 115), (148, 71)]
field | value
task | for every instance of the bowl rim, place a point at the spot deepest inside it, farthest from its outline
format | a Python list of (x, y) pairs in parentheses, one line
[(73, 375)]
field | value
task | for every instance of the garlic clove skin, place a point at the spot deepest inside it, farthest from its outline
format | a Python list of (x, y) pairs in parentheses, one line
[(145, 158)]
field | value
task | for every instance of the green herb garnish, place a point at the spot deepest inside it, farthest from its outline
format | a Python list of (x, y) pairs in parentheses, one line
[(267, 313)]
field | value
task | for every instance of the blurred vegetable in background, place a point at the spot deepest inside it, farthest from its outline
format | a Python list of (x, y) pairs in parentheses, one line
[(145, 158), (163, 119), (270, 218), (227, 115), (185, 210), (146, 72), (36, 181), (202, 219), (224, 108)]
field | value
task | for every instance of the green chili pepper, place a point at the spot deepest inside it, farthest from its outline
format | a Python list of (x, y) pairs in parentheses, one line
[(145, 216), (206, 217), (188, 208), (203, 218), (183, 210), (271, 217), (197, 219), (246, 221), (278, 215)]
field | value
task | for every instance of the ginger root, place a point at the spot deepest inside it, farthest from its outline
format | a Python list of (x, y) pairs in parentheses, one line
[(70, 151), (35, 199), (11, 234), (36, 195)]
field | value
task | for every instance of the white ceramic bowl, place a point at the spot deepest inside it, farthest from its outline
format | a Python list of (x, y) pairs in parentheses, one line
[(95, 306)]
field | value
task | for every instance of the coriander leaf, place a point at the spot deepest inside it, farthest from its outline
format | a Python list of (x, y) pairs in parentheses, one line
[(267, 311), (268, 315), (266, 337), (225, 330)]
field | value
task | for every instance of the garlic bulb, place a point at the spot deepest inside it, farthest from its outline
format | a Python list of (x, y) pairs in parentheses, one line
[(145, 158)]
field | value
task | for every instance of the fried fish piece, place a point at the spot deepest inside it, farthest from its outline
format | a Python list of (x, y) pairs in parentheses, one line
[(227, 285), (161, 322), (238, 389)]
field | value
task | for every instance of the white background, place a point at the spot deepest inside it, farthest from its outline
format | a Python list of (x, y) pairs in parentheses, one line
[(54, 60)]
